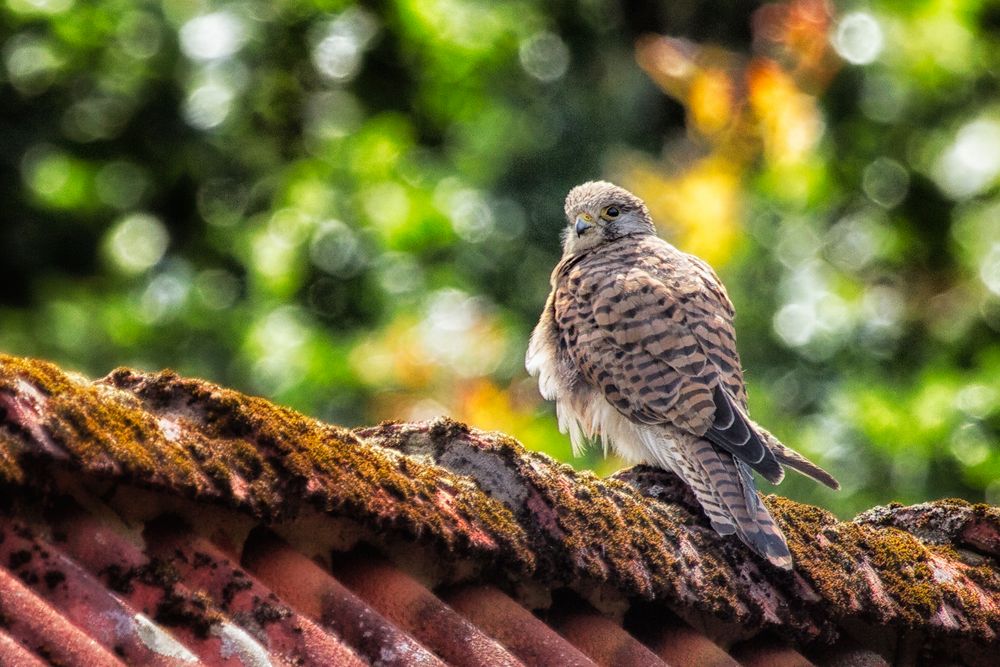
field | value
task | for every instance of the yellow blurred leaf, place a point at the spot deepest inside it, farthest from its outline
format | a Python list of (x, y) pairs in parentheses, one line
[(699, 209), (711, 101)]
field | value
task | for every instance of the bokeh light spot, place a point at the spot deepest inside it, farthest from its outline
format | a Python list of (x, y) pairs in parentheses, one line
[(222, 201), (971, 163), (31, 63), (886, 182), (978, 401), (471, 216), (338, 54), (332, 114), (795, 323), (95, 118), (399, 273), (386, 204), (277, 340), (883, 97), (989, 269), (858, 38), (217, 289), (137, 242), (458, 331), (165, 295), (140, 34), (208, 105), (336, 249), (544, 56), (47, 171), (853, 242), (337, 57), (49, 7), (56, 178), (970, 445), (213, 36)]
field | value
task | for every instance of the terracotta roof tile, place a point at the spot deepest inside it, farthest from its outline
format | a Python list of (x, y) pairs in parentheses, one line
[(603, 640), (415, 609), (85, 601), (153, 519), (13, 654), (44, 631), (202, 566), (515, 627), (314, 592), (769, 654), (677, 643)]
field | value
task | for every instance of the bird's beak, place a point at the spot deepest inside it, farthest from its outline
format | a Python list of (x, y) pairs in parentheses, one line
[(583, 223)]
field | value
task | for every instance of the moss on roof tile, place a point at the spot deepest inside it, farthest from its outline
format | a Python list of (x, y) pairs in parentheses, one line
[(482, 497), (205, 442)]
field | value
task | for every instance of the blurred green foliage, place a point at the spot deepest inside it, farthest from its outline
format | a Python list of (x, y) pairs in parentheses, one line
[(354, 208)]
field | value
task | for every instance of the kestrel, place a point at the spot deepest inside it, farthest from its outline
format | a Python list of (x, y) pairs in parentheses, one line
[(636, 346)]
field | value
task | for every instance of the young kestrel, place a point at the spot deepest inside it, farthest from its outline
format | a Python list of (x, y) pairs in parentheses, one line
[(636, 345)]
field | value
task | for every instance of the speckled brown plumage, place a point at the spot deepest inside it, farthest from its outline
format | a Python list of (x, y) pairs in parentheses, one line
[(637, 347)]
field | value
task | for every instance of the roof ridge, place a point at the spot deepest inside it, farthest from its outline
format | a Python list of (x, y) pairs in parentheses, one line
[(480, 496)]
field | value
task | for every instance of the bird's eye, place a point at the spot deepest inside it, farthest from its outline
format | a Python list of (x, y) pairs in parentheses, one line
[(611, 212)]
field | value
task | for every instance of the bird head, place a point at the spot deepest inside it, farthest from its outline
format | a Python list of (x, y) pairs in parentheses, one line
[(601, 212)]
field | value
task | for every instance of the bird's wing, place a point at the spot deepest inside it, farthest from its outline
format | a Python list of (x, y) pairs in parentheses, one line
[(663, 352), (709, 314)]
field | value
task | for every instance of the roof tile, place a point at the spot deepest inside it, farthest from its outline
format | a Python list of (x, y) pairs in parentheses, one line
[(603, 640), (44, 630), (676, 642), (115, 554), (86, 602), (314, 592), (202, 566), (769, 654), (412, 607), (14, 654), (157, 500), (527, 637)]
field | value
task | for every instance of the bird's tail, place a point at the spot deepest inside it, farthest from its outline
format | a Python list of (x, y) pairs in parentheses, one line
[(724, 486), (793, 459)]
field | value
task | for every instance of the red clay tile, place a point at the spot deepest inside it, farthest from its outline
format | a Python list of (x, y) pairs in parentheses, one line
[(847, 653), (408, 604), (515, 627), (116, 557), (604, 641), (529, 519), (86, 602), (42, 629), (13, 654), (284, 632), (767, 653), (312, 591), (678, 644)]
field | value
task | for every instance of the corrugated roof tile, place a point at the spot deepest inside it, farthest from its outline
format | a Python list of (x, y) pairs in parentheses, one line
[(314, 592), (13, 654), (44, 630), (139, 517), (603, 640), (87, 602), (413, 608), (523, 633), (679, 644), (202, 566), (769, 653)]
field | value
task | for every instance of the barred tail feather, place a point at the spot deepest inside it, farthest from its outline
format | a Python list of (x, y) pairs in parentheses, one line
[(796, 461), (669, 455), (730, 487)]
